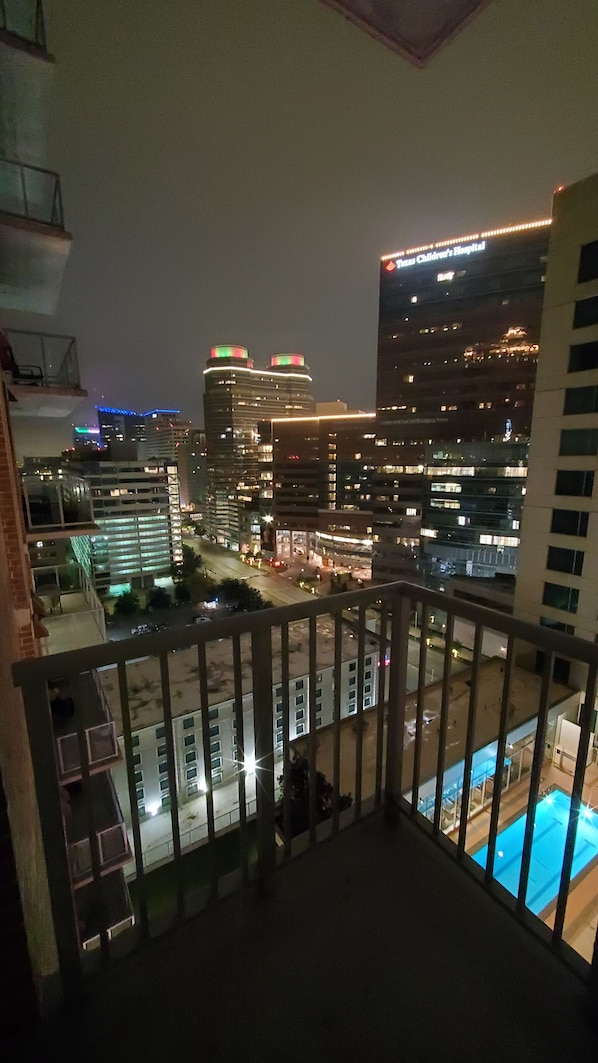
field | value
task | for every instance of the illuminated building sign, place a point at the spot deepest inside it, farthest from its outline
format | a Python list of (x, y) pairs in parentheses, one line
[(83, 430), (456, 251)]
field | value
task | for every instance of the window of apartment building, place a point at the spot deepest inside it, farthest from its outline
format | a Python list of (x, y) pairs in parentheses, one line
[(164, 785), (299, 699), (560, 560), (192, 789), (368, 660), (588, 263), (216, 763), (216, 777), (166, 801), (138, 776), (352, 666), (318, 677), (189, 740), (140, 794), (368, 688), (212, 714), (368, 675), (299, 684), (279, 738), (560, 597), (577, 483), (278, 692), (215, 747), (367, 702), (187, 723), (318, 721), (300, 728), (581, 400), (160, 732), (214, 732), (318, 693), (352, 681), (190, 757), (352, 694), (557, 625), (137, 758), (134, 740), (191, 773), (300, 714), (579, 441), (569, 522), (162, 767), (586, 312), (582, 357)]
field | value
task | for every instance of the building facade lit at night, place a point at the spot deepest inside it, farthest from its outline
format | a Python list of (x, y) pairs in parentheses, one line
[(458, 346)]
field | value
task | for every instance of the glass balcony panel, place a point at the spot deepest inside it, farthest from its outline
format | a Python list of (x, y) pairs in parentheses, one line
[(24, 18), (30, 192)]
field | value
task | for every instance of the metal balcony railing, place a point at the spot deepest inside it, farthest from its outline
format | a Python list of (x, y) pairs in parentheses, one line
[(44, 359), (485, 748), (57, 503), (31, 192), (24, 19)]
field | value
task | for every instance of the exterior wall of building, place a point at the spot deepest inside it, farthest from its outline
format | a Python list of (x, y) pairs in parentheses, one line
[(150, 750), (472, 508), (457, 350), (237, 397), (322, 470), (557, 583), (137, 509)]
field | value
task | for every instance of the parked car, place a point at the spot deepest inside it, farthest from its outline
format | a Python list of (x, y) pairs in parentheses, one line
[(142, 629), (202, 619)]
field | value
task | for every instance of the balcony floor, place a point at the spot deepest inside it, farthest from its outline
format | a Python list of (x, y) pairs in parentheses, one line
[(376, 947)]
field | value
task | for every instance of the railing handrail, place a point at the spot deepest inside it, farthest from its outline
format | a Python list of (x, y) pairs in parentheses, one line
[(91, 657), (41, 335), (39, 40), (29, 166)]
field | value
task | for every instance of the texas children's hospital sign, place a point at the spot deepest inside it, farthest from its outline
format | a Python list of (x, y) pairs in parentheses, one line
[(456, 251)]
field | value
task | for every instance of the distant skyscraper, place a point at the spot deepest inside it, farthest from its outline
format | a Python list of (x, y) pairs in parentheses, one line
[(457, 351), (557, 581), (120, 426), (191, 461), (237, 397), (163, 435)]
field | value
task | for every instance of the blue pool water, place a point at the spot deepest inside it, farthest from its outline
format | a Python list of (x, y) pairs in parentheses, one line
[(548, 847)]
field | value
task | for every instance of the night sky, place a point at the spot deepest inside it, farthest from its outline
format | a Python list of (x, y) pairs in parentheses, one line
[(232, 170)]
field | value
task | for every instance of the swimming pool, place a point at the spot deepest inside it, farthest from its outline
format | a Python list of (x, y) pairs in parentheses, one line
[(548, 847)]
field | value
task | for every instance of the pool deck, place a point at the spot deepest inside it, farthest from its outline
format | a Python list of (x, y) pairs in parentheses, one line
[(582, 909)]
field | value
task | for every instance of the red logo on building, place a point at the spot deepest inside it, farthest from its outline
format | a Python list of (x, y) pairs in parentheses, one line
[(390, 266)]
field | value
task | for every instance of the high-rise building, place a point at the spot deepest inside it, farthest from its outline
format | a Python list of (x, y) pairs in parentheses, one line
[(191, 462), (120, 426), (557, 581), (322, 483), (164, 434), (136, 510), (237, 397), (472, 506), (457, 352)]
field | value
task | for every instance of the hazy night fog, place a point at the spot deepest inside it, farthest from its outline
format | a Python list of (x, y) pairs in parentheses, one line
[(232, 169)]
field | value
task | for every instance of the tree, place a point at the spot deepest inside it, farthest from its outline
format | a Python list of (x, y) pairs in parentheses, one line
[(190, 563), (239, 596), (200, 530), (202, 588), (126, 604), (182, 593), (296, 780), (158, 598)]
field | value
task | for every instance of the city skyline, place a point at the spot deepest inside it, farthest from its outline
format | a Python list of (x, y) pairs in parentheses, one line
[(184, 249)]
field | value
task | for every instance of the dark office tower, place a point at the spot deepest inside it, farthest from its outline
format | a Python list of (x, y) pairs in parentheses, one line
[(457, 352), (120, 426), (237, 397)]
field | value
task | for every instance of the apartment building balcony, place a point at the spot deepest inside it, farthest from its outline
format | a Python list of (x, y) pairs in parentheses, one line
[(57, 507), (445, 902), (109, 828), (42, 373), (85, 741), (74, 615), (22, 23), (34, 244)]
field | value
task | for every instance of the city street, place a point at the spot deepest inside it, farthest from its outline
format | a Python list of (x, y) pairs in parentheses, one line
[(225, 564)]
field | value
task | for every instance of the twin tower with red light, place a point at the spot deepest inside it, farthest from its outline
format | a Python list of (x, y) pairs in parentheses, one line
[(225, 354)]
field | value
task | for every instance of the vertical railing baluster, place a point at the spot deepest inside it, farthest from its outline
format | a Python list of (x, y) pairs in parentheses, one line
[(359, 707), (204, 701), (24, 192), (470, 738), (312, 739), (399, 657), (336, 718), (261, 662), (90, 819), (585, 719), (419, 710), (47, 790), (381, 702), (241, 775), (444, 721), (534, 779), (172, 785), (125, 714), (286, 751), (500, 758)]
